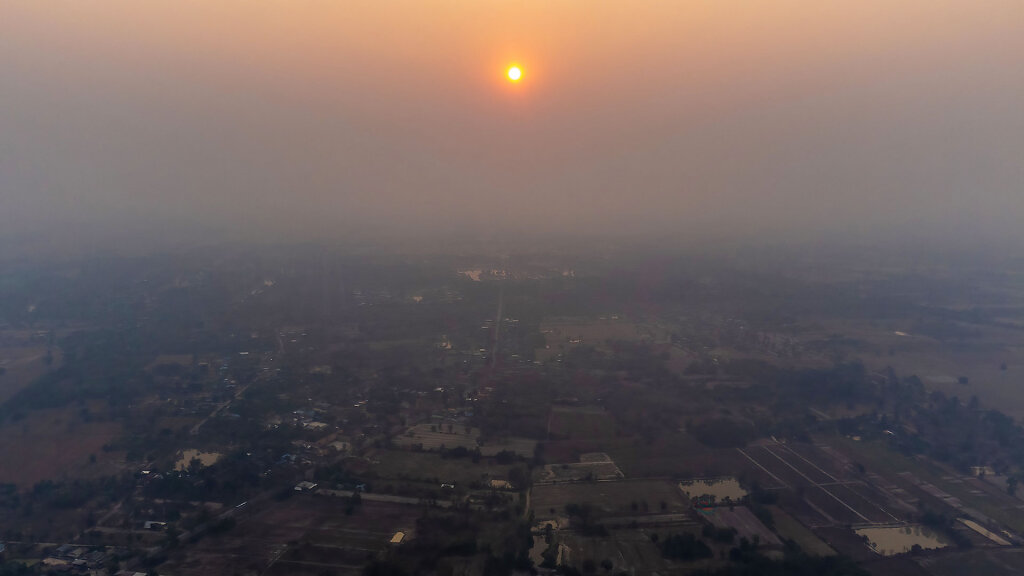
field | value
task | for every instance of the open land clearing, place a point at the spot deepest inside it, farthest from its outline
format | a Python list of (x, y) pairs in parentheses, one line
[(56, 443)]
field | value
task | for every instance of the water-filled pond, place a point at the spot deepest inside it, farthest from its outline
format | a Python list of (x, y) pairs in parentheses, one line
[(713, 489), (891, 540)]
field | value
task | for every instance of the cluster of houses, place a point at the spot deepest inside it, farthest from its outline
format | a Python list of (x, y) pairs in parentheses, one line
[(75, 559)]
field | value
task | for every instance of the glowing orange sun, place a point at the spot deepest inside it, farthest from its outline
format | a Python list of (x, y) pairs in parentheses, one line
[(514, 73)]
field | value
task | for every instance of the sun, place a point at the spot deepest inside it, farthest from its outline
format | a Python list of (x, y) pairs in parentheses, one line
[(514, 73)]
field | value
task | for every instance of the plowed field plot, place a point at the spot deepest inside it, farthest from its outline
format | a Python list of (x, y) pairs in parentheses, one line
[(792, 468), (833, 508), (867, 501), (818, 460), (813, 475)]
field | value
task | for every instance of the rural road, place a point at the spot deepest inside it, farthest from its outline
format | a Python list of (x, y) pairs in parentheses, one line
[(387, 498)]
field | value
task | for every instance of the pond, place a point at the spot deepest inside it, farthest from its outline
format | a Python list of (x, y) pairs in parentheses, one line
[(205, 458), (891, 540), (713, 489)]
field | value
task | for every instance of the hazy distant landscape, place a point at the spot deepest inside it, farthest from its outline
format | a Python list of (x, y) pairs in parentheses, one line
[(511, 288), (289, 410)]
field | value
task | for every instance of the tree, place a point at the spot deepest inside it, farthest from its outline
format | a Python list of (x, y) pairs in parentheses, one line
[(684, 547), (171, 536)]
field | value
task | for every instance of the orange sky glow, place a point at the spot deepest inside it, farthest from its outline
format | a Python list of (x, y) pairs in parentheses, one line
[(644, 113)]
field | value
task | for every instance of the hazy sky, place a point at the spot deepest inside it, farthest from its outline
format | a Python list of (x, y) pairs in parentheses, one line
[(342, 117)]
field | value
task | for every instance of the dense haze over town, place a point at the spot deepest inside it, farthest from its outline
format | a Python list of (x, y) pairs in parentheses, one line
[(137, 123)]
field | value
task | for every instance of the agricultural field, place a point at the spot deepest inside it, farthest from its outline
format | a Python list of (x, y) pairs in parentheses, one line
[(306, 534), (590, 423), (609, 499), (741, 519), (834, 496), (926, 480), (520, 446), (437, 436), (432, 468), (1001, 562), (55, 444), (595, 466), (627, 550), (672, 453), (790, 529)]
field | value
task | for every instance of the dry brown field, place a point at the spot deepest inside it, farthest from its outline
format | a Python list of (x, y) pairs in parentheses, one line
[(54, 444), (23, 364)]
